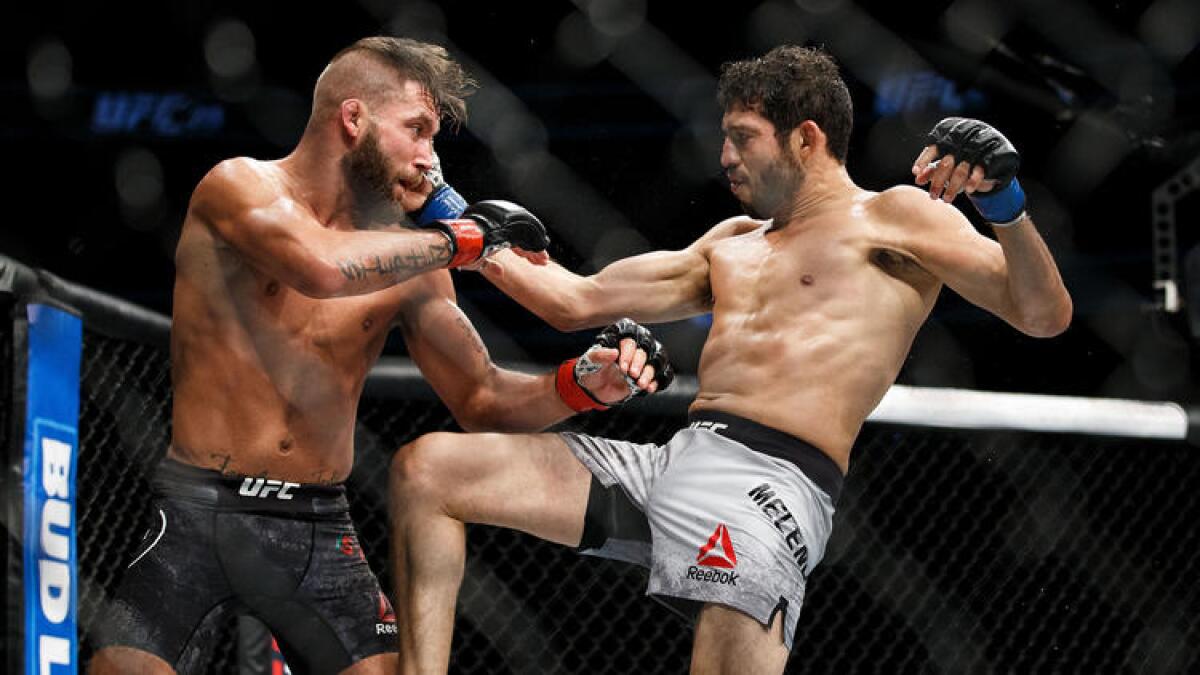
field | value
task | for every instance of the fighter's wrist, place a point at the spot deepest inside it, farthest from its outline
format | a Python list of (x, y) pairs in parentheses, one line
[(444, 203), (1001, 206), (466, 240), (574, 394), (1021, 217)]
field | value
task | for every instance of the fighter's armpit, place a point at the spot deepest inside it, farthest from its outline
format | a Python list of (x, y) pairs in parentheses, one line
[(926, 234)]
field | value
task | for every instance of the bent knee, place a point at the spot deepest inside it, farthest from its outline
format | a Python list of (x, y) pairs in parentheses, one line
[(417, 466)]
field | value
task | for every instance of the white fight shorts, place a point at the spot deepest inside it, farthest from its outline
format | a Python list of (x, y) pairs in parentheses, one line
[(729, 511)]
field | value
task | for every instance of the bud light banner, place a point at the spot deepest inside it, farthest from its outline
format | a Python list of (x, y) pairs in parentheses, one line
[(51, 445)]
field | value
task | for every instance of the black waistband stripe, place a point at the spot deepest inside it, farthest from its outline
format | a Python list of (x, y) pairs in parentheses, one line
[(246, 493)]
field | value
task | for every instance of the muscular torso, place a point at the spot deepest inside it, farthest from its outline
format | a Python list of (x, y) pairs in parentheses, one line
[(812, 322), (267, 380)]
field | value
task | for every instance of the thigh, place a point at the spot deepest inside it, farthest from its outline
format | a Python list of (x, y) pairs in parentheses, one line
[(380, 664), (172, 589), (310, 583), (127, 661), (527, 482), (729, 641)]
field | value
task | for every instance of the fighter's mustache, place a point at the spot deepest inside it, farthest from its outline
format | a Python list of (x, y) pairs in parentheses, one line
[(412, 184)]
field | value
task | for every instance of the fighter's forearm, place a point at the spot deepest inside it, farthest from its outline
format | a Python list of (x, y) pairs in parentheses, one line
[(1034, 283), (515, 402), (558, 296), (650, 288), (373, 261)]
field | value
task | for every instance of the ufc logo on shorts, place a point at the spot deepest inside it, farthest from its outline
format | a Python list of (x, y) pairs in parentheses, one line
[(262, 488), (711, 426)]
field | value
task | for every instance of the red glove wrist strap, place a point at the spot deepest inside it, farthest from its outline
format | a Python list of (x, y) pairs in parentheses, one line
[(571, 392), (468, 241)]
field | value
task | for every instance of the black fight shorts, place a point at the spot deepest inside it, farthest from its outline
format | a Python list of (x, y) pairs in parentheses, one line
[(284, 552)]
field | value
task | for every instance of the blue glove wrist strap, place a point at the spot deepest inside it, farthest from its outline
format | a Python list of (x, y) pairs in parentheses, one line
[(444, 204), (1001, 206)]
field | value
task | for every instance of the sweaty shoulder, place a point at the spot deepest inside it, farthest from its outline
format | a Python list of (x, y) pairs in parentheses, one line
[(233, 185), (730, 227), (910, 207)]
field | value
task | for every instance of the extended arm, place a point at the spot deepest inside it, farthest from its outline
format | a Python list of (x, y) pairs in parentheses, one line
[(652, 287)]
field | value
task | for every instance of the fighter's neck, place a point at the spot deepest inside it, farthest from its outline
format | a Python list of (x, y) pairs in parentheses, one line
[(320, 183), (822, 189)]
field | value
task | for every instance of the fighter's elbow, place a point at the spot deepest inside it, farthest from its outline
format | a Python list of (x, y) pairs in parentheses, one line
[(321, 281), (474, 412), (472, 424), (478, 420), (1049, 321)]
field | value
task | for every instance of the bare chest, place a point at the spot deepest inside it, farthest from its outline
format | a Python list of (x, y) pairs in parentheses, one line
[(349, 323), (760, 271), (753, 271)]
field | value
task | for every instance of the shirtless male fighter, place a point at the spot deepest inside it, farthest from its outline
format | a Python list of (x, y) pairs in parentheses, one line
[(815, 301), (289, 275)]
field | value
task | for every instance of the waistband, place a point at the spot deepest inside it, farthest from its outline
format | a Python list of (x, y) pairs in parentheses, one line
[(206, 487), (818, 466)]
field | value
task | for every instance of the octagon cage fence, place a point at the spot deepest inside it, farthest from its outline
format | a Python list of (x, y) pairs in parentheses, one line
[(977, 533)]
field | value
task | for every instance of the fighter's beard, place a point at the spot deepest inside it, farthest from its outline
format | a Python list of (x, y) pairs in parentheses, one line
[(776, 191), (366, 172), (376, 214)]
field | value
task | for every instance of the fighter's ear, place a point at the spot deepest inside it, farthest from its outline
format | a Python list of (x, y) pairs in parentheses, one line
[(352, 117), (808, 137)]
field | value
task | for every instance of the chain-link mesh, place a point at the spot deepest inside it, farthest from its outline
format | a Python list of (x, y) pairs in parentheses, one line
[(953, 552)]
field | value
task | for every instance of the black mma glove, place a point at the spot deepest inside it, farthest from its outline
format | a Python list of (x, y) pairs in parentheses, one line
[(575, 395), (487, 227), (979, 144)]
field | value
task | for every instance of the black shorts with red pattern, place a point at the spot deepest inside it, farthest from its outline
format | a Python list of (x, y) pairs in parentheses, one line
[(286, 553)]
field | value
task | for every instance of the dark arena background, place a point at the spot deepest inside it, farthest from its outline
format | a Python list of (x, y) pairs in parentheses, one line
[(1015, 550)]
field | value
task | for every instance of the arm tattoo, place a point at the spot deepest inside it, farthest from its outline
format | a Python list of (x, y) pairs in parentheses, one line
[(471, 334), (398, 266)]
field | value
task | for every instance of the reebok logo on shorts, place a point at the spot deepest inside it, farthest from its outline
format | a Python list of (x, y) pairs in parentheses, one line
[(387, 617), (779, 515), (717, 552)]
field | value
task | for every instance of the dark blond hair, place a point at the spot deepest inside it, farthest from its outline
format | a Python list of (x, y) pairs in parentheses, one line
[(430, 65)]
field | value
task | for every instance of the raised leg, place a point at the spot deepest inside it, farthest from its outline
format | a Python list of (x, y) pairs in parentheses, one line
[(531, 483)]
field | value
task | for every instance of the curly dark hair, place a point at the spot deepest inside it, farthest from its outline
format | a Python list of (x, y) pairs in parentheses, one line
[(428, 64), (788, 86)]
